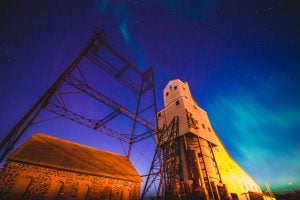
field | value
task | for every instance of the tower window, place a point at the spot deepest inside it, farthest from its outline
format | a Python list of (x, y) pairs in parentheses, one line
[(244, 186), (159, 114), (170, 87), (203, 126), (208, 129), (175, 87), (195, 107), (183, 88), (177, 103), (167, 93)]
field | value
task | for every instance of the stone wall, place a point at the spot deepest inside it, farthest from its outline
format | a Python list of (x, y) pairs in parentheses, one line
[(46, 183)]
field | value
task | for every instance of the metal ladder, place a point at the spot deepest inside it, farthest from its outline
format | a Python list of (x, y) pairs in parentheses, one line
[(212, 190)]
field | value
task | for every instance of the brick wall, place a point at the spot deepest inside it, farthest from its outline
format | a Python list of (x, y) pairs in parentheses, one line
[(73, 185)]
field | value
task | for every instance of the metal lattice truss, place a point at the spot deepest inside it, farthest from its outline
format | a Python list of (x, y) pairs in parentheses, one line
[(165, 170), (53, 100)]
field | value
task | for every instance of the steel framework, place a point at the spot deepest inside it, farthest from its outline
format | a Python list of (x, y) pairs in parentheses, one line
[(166, 168), (120, 69)]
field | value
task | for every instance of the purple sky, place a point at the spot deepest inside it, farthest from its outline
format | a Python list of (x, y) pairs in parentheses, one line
[(241, 59)]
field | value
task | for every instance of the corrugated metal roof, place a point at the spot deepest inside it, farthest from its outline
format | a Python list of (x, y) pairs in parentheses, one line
[(48, 151)]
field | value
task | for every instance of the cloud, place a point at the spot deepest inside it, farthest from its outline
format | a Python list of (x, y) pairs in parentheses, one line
[(124, 18), (261, 133), (102, 5), (124, 31)]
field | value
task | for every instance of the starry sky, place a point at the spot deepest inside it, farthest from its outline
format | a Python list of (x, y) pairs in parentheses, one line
[(240, 58)]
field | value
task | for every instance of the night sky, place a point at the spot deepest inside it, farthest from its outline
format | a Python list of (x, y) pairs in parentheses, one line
[(240, 58)]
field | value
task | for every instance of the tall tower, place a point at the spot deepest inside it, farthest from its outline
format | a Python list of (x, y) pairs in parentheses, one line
[(196, 165)]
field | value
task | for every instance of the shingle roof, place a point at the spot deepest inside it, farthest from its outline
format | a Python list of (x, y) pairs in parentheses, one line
[(48, 151)]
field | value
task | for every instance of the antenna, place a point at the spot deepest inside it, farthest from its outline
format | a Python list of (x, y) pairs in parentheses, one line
[(269, 190)]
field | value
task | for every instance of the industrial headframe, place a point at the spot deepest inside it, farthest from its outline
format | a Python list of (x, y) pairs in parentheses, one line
[(195, 164)]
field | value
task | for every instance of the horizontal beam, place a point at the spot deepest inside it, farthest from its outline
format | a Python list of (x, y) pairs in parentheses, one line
[(91, 123), (107, 118), (85, 88), (114, 72)]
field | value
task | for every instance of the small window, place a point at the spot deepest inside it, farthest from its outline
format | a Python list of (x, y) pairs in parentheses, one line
[(106, 193), (134, 193), (170, 87), (185, 97), (116, 194), (82, 191), (125, 194), (183, 88), (244, 187), (208, 129), (248, 187), (53, 190), (177, 103), (195, 107), (19, 188), (175, 87), (203, 126), (159, 115), (167, 93)]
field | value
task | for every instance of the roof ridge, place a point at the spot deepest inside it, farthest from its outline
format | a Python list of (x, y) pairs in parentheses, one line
[(41, 135)]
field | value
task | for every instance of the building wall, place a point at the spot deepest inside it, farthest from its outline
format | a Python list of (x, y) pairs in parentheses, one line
[(47, 183), (179, 102)]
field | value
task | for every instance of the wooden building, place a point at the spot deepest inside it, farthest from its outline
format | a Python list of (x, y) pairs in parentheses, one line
[(45, 167)]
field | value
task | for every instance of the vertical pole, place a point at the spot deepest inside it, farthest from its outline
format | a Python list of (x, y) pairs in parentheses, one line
[(214, 160), (135, 117), (159, 153), (187, 157)]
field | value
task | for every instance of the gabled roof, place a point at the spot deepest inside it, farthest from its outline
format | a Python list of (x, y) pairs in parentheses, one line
[(48, 151)]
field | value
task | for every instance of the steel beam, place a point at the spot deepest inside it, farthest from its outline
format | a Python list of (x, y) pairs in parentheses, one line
[(85, 88), (91, 123), (107, 118)]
